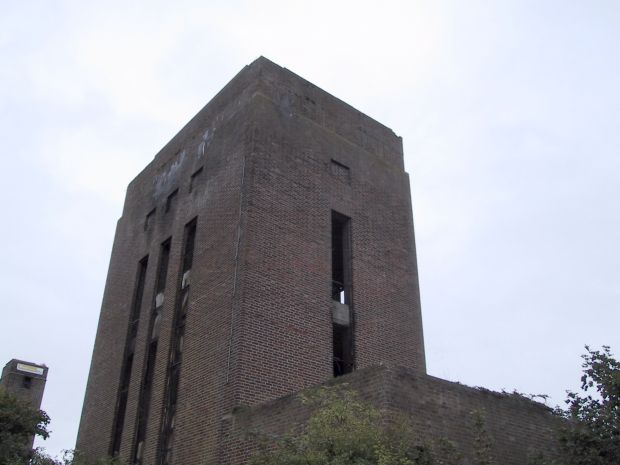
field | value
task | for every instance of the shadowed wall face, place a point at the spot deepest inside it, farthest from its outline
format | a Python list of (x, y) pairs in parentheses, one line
[(295, 211)]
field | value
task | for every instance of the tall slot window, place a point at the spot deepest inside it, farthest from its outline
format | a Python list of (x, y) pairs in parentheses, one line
[(166, 440), (342, 324), (144, 401), (130, 345)]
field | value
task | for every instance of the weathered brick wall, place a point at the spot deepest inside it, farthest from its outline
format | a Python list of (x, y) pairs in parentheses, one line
[(436, 409), (259, 320), (216, 140), (285, 327), (12, 380)]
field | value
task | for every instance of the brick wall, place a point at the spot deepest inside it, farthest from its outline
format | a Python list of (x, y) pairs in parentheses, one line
[(436, 409), (259, 320), (216, 141), (25, 380), (285, 324)]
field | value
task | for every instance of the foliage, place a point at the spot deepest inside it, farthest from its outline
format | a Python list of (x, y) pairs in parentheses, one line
[(69, 457), (19, 422), (343, 431), (592, 434), (445, 452), (482, 442), (39, 457)]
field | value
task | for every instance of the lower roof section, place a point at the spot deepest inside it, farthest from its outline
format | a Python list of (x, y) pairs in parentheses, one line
[(437, 410)]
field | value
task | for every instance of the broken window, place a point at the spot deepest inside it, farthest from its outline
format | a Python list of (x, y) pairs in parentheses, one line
[(144, 400), (195, 179), (130, 342), (166, 439), (342, 324)]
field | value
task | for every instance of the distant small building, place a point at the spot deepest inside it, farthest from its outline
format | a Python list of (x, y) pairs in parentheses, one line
[(26, 381)]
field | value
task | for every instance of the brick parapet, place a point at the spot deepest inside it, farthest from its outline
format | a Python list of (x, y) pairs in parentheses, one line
[(437, 410)]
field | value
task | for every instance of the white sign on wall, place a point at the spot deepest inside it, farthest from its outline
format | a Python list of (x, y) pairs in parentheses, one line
[(30, 369)]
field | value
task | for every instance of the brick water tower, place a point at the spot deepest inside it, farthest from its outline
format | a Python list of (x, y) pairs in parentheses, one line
[(268, 247)]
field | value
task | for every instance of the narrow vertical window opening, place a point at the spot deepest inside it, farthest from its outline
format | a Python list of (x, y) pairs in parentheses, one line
[(166, 439), (144, 400), (342, 324), (130, 343), (340, 258)]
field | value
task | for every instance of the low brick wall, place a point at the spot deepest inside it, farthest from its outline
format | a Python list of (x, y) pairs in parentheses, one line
[(437, 409)]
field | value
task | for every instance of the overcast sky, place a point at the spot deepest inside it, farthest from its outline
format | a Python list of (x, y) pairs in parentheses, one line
[(510, 115)]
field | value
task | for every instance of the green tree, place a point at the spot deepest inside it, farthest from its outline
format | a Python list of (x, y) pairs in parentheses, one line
[(19, 422), (40, 457), (69, 457), (592, 433), (343, 431)]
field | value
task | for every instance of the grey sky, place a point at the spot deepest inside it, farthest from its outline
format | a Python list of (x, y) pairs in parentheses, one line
[(510, 115)]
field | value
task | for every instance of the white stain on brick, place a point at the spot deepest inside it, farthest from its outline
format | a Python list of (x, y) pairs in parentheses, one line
[(168, 177), (206, 140)]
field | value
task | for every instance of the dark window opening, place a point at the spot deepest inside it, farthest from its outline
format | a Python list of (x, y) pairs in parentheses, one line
[(26, 382), (342, 335), (166, 439), (340, 258), (162, 271), (148, 221), (343, 357), (193, 182), (171, 200), (132, 331), (190, 238), (121, 406), (144, 401)]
